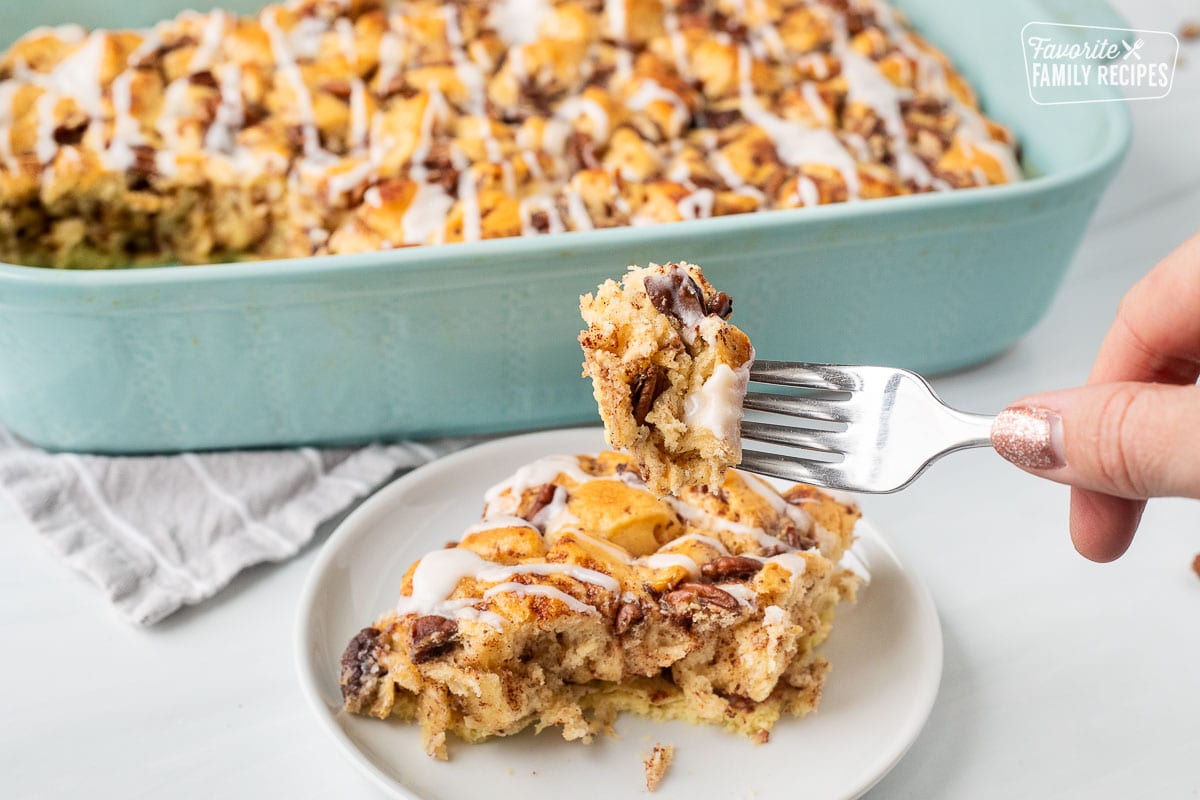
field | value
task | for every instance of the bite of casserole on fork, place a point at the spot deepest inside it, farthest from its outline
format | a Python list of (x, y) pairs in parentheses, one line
[(669, 373)]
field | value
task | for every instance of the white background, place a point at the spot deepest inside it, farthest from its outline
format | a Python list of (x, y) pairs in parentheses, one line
[(1063, 679)]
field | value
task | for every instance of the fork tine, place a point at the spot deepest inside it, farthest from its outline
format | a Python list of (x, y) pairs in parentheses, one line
[(818, 441), (802, 407), (809, 376), (792, 469)]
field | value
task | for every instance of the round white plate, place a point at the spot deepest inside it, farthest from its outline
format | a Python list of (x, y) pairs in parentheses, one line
[(886, 653)]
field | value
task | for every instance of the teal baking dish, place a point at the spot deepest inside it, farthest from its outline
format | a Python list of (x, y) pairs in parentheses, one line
[(481, 336)]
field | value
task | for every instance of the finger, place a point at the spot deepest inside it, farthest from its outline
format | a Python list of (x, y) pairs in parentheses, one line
[(1132, 440), (1156, 334), (1102, 526)]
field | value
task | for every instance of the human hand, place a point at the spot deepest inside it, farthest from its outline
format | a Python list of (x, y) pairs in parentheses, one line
[(1133, 432)]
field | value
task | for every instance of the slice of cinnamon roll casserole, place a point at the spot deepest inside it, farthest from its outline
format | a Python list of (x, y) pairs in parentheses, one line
[(581, 594), (668, 373)]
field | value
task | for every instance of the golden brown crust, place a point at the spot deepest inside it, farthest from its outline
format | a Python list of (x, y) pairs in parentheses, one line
[(336, 127)]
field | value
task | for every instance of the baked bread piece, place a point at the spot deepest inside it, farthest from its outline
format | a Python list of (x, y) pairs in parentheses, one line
[(581, 595), (668, 373), (341, 126)]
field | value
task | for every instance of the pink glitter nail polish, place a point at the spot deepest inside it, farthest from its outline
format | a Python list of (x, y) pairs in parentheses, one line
[(1031, 438)]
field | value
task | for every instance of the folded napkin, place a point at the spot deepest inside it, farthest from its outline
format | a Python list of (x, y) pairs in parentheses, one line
[(160, 532)]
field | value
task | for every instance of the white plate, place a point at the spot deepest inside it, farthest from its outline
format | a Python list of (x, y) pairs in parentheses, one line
[(886, 654)]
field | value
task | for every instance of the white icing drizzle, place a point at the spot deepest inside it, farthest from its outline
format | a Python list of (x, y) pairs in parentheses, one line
[(537, 589), (125, 132), (615, 14), (425, 218), (697, 205), (221, 136), (346, 40), (285, 62), (468, 196), (210, 42), (499, 521), (717, 405), (745, 596), (619, 553), (795, 143), (517, 21), (792, 562), (678, 43), (8, 92), (668, 560), (855, 560), (505, 496), (808, 90), (697, 537), (867, 85), (529, 205), (807, 192), (436, 576), (358, 114), (774, 615), (577, 211), (581, 574), (650, 91), (573, 108), (777, 501), (391, 51)]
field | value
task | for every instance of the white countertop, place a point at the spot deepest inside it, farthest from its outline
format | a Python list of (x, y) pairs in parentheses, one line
[(1063, 678)]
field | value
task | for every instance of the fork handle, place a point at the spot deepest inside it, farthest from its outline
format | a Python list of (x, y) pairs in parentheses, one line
[(964, 430)]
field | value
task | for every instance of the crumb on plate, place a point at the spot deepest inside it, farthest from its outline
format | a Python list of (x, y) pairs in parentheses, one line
[(657, 764)]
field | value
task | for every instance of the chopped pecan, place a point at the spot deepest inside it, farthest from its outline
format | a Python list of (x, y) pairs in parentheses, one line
[(721, 118), (644, 390), (545, 497), (432, 636), (359, 664), (540, 221), (204, 77), (676, 294), (705, 594), (730, 568), (1196, 565), (71, 130), (581, 151), (628, 615), (721, 305)]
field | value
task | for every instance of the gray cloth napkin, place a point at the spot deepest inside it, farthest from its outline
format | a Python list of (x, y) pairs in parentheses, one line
[(160, 532)]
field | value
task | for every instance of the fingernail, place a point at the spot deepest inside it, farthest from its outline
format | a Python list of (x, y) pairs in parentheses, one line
[(1029, 437)]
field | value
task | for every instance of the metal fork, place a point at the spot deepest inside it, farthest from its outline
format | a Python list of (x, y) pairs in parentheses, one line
[(862, 429)]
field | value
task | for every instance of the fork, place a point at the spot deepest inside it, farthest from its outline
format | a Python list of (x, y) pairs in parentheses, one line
[(862, 429)]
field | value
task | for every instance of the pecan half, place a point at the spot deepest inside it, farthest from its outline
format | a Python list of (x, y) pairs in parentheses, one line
[(71, 130), (359, 665), (644, 390), (545, 497), (721, 305), (719, 118), (628, 615), (730, 568), (705, 594), (677, 295), (432, 636)]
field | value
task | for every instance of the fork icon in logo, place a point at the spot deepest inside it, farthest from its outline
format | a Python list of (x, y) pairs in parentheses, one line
[(1132, 50)]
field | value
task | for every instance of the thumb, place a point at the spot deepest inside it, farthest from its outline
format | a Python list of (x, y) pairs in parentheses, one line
[(1132, 440)]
